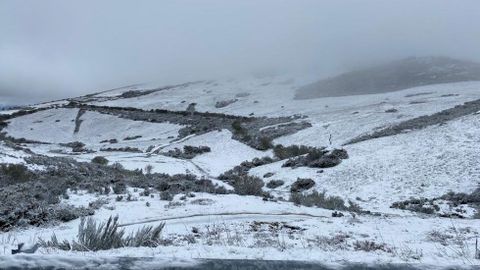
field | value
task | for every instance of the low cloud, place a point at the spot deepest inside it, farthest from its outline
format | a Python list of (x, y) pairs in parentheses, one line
[(56, 49)]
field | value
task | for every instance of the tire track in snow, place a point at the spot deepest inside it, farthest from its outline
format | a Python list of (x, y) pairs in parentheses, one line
[(223, 214)]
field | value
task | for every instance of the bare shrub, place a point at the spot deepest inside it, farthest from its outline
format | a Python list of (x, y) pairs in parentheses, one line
[(369, 246), (439, 237), (330, 243), (93, 237), (98, 203), (407, 254)]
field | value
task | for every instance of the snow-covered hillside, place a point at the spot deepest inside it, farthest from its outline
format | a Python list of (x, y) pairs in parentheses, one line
[(425, 163)]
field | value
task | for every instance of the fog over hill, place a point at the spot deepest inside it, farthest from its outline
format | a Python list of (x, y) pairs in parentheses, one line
[(393, 76), (56, 49)]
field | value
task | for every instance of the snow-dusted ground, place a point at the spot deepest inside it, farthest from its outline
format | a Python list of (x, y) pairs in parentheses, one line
[(58, 125), (8, 111), (422, 163), (227, 229), (9, 155)]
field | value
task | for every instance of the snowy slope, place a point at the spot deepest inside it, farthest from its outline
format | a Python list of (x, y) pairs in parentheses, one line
[(421, 163), (58, 126)]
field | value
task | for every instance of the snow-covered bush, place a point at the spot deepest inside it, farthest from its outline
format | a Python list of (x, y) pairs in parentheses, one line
[(369, 246)]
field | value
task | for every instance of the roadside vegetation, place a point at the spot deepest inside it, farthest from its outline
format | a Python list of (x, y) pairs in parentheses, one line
[(93, 236)]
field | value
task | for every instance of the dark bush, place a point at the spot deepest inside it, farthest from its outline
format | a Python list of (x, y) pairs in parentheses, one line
[(121, 149), (265, 143), (302, 184), (317, 158), (248, 185), (15, 173), (275, 183), (119, 188), (35, 203), (67, 213), (76, 146), (282, 152), (166, 196), (267, 175), (238, 128), (100, 160), (129, 138), (109, 141), (323, 201), (421, 205), (188, 152), (243, 168)]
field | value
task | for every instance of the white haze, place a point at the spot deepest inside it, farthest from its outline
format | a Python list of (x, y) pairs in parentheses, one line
[(56, 49)]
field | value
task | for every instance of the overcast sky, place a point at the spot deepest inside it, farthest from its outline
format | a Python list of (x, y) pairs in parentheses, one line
[(56, 49)]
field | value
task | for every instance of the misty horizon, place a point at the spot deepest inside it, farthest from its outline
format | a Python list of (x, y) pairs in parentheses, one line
[(55, 49)]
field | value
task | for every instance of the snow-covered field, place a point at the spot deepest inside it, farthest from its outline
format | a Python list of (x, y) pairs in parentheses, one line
[(422, 163), (230, 226)]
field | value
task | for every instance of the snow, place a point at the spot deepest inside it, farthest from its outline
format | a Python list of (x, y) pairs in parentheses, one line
[(9, 155), (405, 235), (58, 126), (425, 163), (422, 163), (8, 112), (225, 154)]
